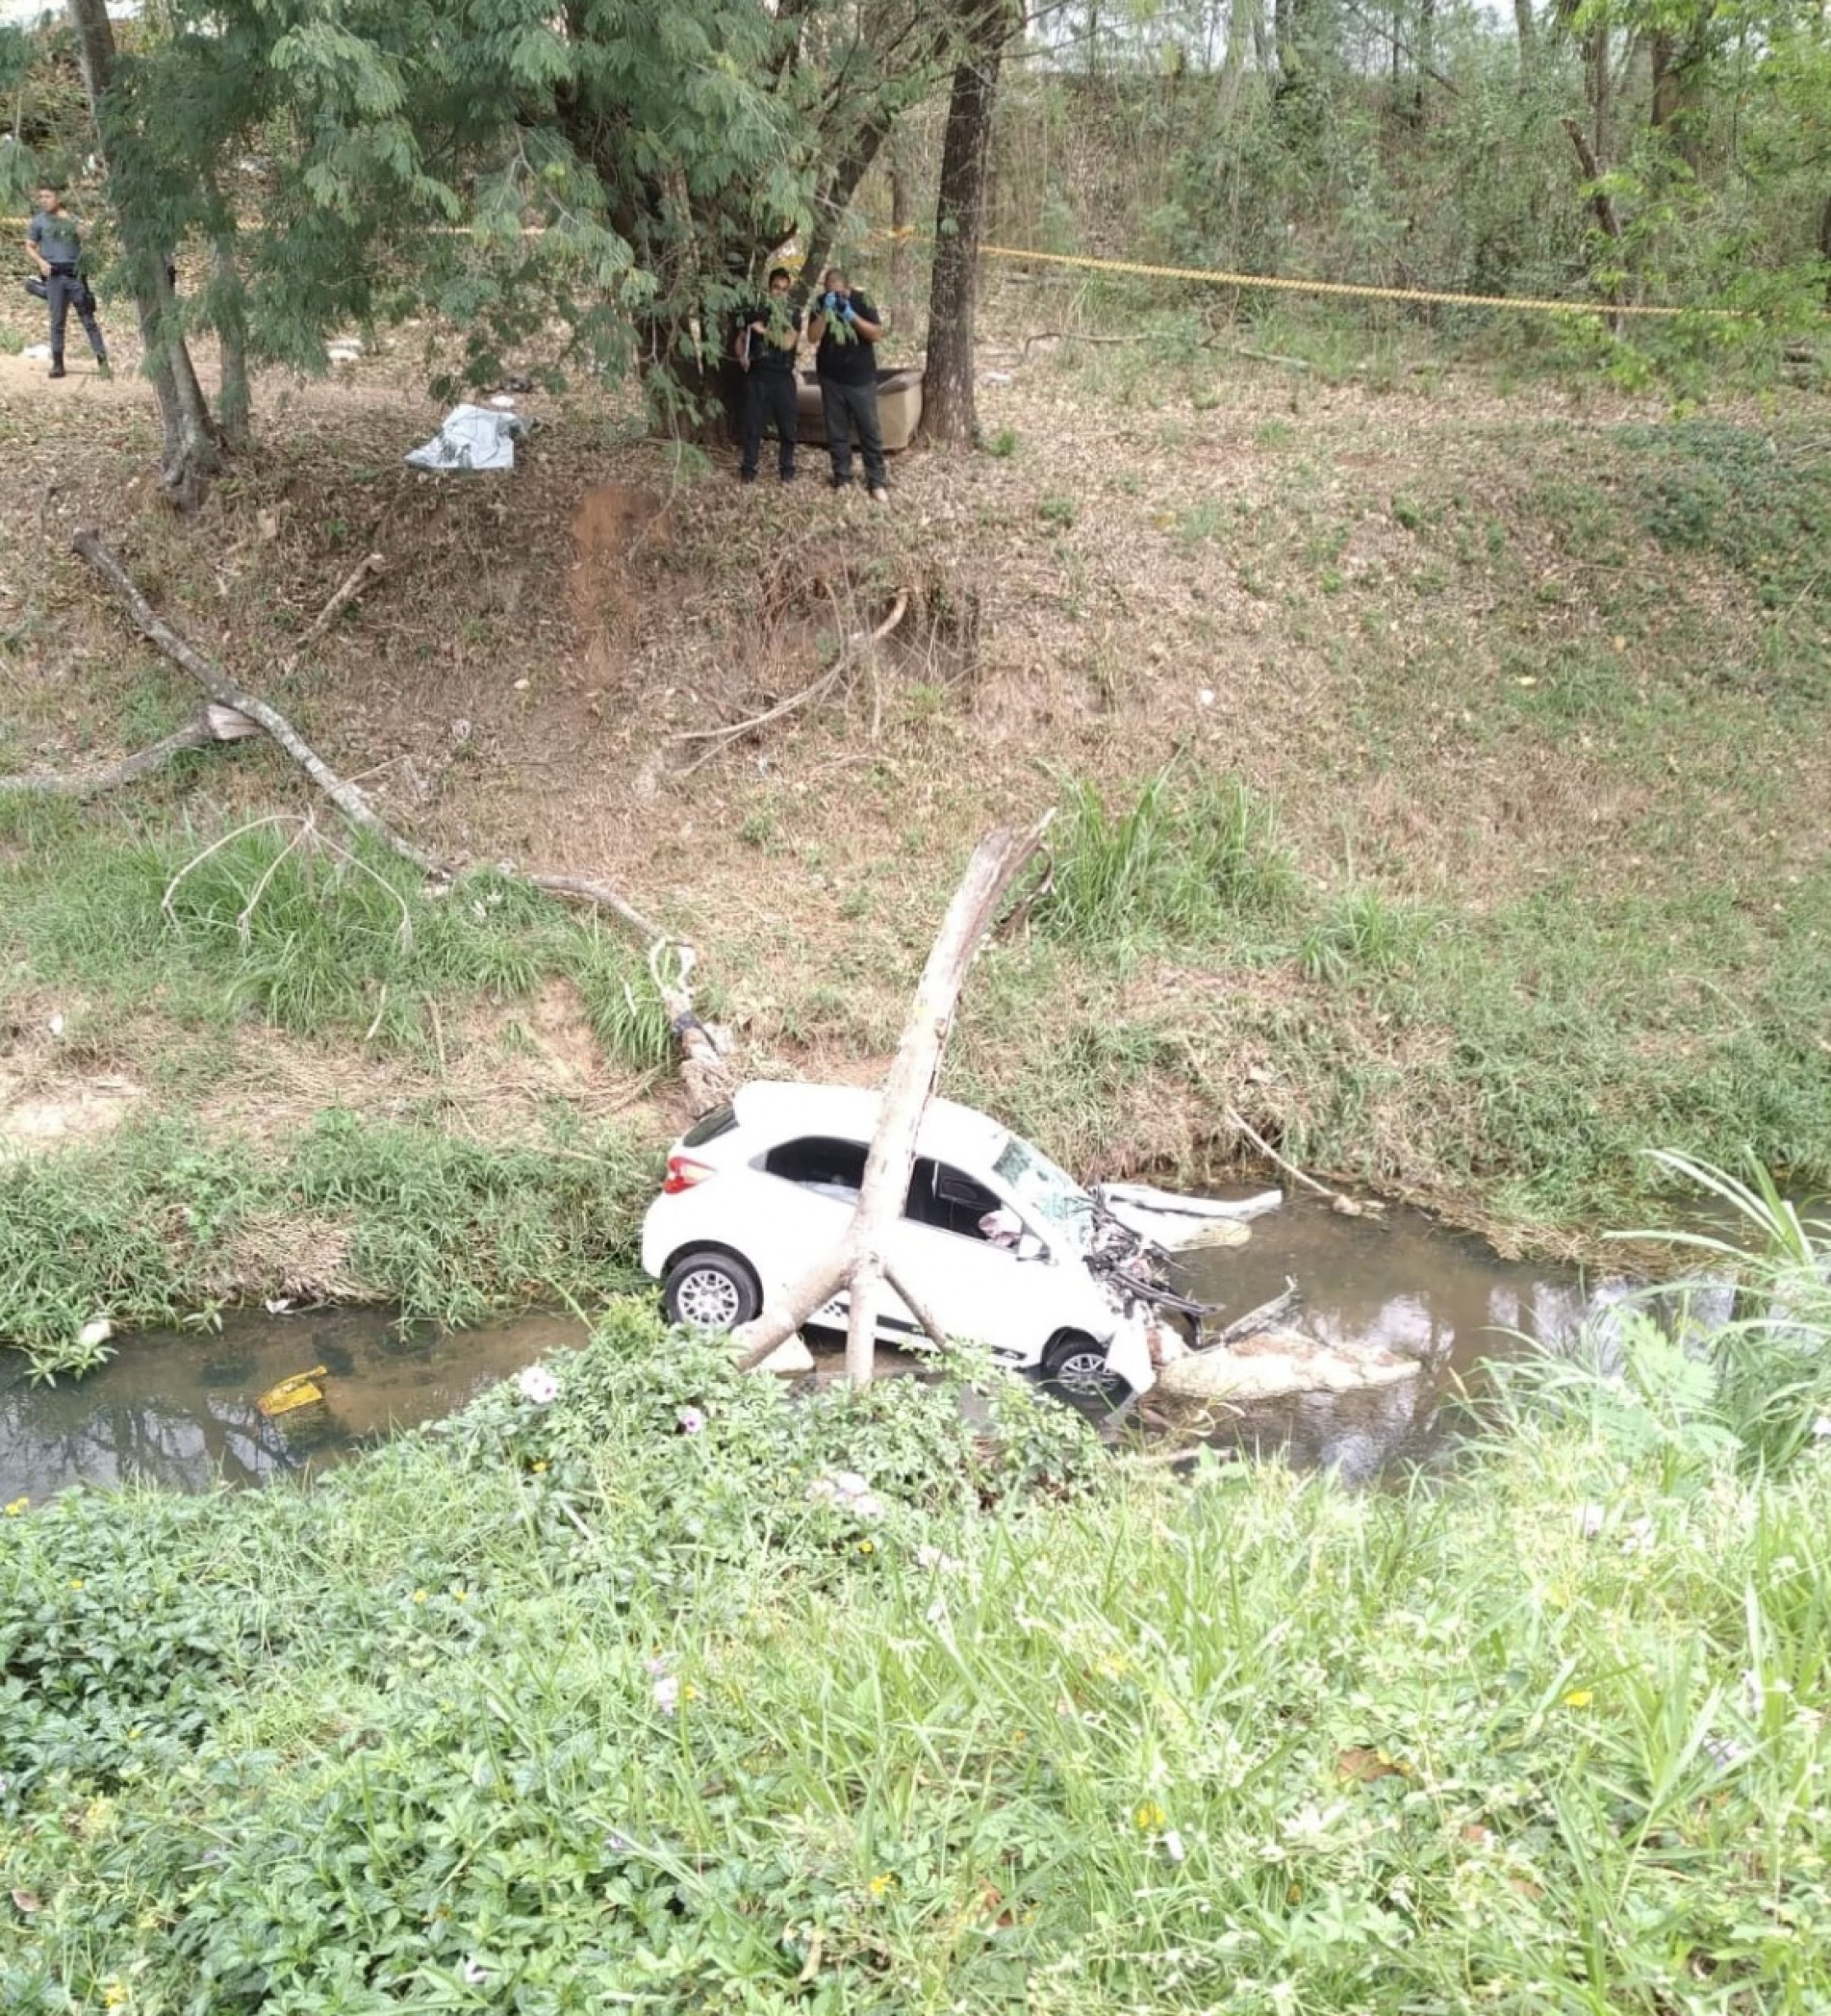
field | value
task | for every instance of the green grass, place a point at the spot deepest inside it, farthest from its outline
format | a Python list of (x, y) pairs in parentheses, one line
[(621, 1701), (298, 926), (150, 1229), (1183, 861)]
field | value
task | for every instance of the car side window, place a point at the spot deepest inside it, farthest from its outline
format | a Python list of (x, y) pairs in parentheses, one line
[(821, 1162), (948, 1199)]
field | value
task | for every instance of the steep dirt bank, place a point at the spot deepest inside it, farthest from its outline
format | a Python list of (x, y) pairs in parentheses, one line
[(1425, 623)]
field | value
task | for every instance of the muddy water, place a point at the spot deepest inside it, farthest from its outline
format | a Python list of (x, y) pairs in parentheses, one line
[(178, 1410), (1401, 1281)]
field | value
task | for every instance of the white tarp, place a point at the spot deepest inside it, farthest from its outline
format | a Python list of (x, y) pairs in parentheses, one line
[(472, 438)]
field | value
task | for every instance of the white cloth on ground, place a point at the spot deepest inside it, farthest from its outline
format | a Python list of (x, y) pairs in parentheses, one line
[(472, 438)]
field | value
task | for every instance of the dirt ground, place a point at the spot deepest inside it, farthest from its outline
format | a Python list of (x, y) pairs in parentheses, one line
[(1209, 559)]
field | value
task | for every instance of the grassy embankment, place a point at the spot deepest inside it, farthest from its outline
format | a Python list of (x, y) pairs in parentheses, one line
[(1491, 849), (632, 1697)]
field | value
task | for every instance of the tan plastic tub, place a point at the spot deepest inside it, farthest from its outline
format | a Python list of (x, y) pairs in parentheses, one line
[(899, 408)]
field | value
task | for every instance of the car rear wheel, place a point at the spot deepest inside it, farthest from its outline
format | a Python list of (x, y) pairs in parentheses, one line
[(710, 1291), (1078, 1365)]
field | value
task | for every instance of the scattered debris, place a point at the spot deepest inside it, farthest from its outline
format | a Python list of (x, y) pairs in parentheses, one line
[(290, 1394), (1276, 1363)]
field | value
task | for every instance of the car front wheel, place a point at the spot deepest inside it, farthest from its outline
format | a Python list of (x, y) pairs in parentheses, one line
[(710, 1291), (1079, 1365)]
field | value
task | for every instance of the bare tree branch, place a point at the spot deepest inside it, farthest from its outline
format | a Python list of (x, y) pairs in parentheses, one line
[(107, 777), (365, 569), (219, 686)]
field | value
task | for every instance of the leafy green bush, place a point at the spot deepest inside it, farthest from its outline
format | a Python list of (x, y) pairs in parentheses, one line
[(623, 1688)]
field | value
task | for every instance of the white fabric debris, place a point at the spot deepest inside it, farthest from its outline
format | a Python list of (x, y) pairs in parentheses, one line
[(472, 438)]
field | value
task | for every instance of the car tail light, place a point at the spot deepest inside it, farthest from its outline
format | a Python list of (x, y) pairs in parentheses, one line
[(683, 1172)]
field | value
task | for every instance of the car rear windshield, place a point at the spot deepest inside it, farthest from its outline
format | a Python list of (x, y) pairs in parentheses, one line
[(720, 1121)]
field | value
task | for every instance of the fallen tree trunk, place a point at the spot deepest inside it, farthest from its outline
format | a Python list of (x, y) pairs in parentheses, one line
[(238, 713), (220, 687), (857, 1264)]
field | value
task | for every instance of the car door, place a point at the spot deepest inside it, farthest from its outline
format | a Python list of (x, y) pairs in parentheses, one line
[(973, 1287), (808, 1192)]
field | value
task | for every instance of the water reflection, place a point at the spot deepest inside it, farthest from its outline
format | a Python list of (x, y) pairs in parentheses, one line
[(1401, 1282), (179, 1411)]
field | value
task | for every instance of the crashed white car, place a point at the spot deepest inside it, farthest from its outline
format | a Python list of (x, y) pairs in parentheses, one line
[(1001, 1246)]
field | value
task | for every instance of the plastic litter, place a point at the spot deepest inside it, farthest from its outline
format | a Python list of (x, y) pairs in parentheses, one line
[(302, 1390), (472, 438)]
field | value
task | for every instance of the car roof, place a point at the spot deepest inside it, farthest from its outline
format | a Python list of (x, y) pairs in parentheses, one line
[(781, 1108)]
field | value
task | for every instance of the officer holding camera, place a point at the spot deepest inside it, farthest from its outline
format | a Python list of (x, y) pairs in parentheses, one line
[(846, 329), (768, 338), (52, 239)]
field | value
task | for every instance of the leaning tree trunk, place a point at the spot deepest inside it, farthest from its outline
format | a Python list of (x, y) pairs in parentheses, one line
[(861, 1264), (190, 456), (948, 411)]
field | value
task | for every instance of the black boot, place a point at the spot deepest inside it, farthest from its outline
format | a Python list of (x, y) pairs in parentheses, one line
[(56, 367)]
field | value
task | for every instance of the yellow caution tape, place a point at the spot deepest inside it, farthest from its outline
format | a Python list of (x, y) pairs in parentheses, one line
[(1276, 283), (1352, 289)]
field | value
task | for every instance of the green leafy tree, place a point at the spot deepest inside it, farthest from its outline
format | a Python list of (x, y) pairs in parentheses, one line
[(593, 183)]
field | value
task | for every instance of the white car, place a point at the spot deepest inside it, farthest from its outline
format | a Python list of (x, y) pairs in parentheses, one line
[(1004, 1247)]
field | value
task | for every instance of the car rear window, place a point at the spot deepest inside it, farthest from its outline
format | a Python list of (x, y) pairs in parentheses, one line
[(820, 1161), (720, 1121)]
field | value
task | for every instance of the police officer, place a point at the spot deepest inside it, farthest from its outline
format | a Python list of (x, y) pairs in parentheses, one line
[(52, 239)]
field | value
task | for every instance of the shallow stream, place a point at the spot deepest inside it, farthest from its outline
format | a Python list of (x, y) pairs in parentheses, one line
[(179, 1409)]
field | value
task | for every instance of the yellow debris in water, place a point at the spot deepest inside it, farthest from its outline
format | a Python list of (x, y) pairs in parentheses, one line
[(298, 1391)]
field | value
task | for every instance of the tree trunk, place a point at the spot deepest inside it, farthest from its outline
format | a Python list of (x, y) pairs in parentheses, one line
[(899, 289), (860, 1263), (1245, 27), (948, 411), (1600, 201), (1527, 30), (190, 456), (235, 404), (837, 193)]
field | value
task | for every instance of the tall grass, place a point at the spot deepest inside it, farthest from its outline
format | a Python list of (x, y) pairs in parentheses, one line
[(162, 1224), (632, 1700), (1754, 1387), (1182, 860), (276, 922)]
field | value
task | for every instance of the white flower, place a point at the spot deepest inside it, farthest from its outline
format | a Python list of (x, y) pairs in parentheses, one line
[(848, 1484), (475, 1973), (1821, 1428), (537, 1385), (1591, 1519), (866, 1506), (666, 1692), (1173, 1846), (929, 1556)]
